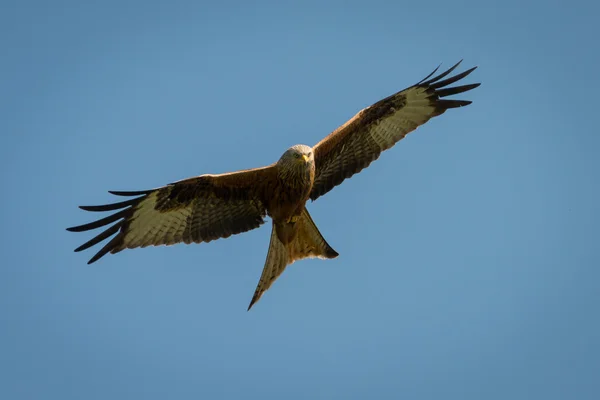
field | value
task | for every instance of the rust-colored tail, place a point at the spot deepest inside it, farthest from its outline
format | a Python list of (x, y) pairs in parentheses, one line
[(308, 243)]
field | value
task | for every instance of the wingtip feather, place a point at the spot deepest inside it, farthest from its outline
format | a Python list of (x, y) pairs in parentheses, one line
[(440, 76), (428, 76), (93, 259), (130, 193)]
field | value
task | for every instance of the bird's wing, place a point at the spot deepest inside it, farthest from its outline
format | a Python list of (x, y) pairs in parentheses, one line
[(198, 209), (360, 141)]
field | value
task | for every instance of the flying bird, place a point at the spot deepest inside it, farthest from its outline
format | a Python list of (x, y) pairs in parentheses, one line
[(209, 207)]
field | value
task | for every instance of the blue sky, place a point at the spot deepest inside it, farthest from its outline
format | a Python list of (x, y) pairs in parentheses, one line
[(468, 263)]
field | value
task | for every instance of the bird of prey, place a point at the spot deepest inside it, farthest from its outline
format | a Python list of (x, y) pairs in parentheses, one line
[(209, 207)]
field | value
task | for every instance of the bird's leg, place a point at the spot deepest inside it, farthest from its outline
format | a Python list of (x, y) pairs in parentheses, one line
[(293, 219)]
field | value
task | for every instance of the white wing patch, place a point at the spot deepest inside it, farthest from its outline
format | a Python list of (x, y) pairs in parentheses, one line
[(417, 111), (151, 227)]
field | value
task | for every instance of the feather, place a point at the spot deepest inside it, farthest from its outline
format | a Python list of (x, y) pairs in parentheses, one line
[(358, 142), (198, 209)]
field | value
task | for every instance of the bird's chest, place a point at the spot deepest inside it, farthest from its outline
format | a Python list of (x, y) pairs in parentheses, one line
[(290, 200)]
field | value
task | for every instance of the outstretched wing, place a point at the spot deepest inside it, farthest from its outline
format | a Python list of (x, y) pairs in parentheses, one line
[(354, 145), (199, 209)]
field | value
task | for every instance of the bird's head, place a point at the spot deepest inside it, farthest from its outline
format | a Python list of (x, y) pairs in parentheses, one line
[(298, 155), (297, 165)]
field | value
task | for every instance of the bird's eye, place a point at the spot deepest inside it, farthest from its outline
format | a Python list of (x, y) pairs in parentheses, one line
[(297, 155)]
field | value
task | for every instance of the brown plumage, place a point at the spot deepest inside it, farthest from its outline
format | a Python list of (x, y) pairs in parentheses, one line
[(210, 207)]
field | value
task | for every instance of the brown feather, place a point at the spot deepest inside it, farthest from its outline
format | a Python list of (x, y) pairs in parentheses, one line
[(307, 243), (199, 209), (361, 140)]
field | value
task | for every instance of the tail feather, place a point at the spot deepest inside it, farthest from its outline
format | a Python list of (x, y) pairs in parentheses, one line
[(277, 260), (308, 243)]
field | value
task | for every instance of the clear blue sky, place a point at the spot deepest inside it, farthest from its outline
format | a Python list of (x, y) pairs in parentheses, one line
[(469, 264)]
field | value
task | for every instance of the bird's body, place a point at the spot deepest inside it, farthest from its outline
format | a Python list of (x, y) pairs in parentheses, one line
[(295, 178), (209, 207)]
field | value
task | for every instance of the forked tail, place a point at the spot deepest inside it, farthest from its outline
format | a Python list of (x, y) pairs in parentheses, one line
[(308, 243)]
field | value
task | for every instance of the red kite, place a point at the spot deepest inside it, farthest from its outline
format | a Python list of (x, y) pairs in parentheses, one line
[(209, 207)]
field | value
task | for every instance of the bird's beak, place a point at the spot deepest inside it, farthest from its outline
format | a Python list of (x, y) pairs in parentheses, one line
[(305, 158)]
